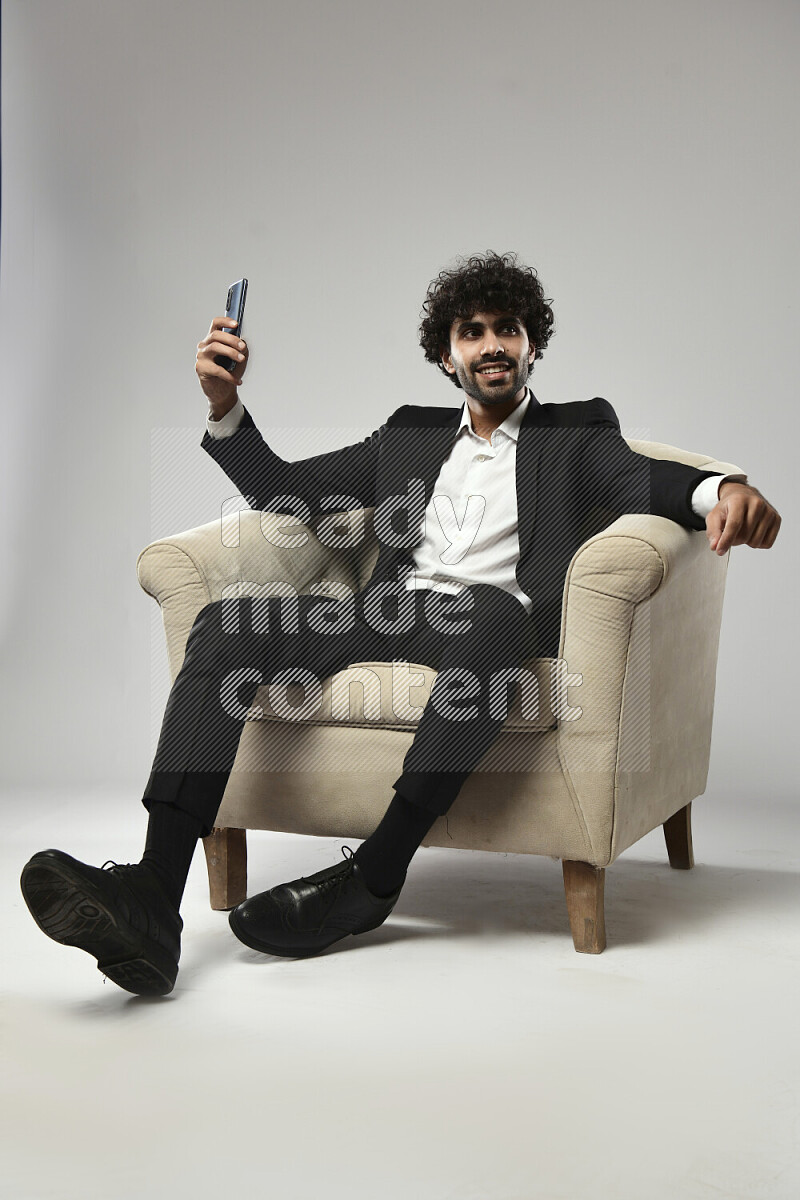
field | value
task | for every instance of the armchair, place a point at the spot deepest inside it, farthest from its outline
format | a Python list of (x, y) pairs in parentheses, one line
[(620, 745)]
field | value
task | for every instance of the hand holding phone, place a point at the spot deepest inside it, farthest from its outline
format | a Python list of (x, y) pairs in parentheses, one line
[(222, 355)]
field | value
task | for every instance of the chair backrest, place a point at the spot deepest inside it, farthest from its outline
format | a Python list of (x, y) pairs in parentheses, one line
[(703, 462)]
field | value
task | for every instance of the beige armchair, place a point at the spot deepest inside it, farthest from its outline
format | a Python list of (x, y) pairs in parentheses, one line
[(619, 744)]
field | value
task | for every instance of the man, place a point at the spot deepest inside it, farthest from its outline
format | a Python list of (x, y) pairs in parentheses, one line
[(500, 494)]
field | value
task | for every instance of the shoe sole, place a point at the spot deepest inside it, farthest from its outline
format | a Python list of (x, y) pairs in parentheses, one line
[(293, 951), (71, 911)]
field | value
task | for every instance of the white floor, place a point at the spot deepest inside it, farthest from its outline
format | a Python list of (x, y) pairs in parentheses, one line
[(463, 1050)]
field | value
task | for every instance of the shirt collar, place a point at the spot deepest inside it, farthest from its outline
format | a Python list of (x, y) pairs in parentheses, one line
[(510, 427)]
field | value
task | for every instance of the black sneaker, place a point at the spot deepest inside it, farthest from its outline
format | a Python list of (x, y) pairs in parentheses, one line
[(118, 913)]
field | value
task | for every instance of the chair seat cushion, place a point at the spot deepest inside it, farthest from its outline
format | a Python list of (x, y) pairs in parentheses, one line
[(393, 695)]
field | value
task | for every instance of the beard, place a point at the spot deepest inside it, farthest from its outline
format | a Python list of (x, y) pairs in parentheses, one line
[(488, 393)]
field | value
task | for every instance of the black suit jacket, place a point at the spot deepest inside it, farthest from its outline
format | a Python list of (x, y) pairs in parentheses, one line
[(575, 474)]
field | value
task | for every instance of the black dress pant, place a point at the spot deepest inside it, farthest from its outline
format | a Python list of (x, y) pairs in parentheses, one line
[(237, 645)]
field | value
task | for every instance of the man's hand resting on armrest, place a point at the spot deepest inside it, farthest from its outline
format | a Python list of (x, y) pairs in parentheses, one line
[(741, 517)]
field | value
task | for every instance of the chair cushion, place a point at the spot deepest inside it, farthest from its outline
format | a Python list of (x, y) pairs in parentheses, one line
[(393, 695)]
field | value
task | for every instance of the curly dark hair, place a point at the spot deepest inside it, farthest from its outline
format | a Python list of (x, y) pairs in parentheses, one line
[(489, 283)]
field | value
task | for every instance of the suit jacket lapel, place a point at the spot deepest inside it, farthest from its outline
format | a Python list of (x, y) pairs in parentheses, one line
[(423, 445), (529, 452)]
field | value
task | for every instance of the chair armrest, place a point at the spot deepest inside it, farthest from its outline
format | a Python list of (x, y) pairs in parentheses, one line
[(640, 626), (241, 555), (634, 555), (627, 560)]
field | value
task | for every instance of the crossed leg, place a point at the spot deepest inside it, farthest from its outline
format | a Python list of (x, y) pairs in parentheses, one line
[(127, 917)]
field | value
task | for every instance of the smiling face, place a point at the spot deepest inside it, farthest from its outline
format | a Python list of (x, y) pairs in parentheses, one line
[(491, 357)]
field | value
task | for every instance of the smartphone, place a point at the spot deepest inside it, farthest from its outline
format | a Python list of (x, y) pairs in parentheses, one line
[(234, 307)]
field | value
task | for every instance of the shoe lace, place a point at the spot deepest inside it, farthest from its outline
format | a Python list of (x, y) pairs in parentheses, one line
[(126, 882), (335, 883)]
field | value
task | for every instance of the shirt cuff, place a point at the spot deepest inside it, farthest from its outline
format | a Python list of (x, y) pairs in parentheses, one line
[(706, 494), (227, 425)]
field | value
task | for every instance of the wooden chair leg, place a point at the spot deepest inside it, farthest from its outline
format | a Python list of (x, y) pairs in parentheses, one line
[(678, 836), (584, 886), (226, 859)]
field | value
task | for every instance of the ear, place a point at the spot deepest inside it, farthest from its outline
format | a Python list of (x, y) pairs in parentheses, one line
[(531, 354), (447, 361)]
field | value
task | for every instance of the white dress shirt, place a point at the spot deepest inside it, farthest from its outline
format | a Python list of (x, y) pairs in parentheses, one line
[(470, 523)]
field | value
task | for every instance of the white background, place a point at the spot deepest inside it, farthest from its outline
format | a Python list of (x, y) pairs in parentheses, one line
[(642, 156)]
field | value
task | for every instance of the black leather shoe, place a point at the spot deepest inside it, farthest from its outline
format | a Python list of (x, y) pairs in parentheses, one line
[(309, 914), (118, 913)]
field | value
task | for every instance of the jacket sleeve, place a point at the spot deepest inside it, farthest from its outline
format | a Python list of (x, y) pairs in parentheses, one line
[(626, 482), (346, 477)]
